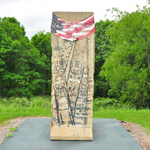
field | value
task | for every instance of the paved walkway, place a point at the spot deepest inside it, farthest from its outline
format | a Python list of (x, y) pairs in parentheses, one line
[(34, 134)]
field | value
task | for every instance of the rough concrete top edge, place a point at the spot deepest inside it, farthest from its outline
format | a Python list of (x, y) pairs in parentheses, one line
[(73, 12), (72, 16)]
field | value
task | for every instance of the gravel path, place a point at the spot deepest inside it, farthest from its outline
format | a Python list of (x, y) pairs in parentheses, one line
[(16, 122), (138, 132)]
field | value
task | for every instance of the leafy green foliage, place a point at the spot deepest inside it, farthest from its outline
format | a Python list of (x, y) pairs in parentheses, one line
[(12, 129), (43, 43), (128, 68), (8, 135), (102, 48), (100, 102), (37, 101), (24, 66)]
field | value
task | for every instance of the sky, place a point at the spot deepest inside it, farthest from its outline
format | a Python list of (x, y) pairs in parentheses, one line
[(36, 15)]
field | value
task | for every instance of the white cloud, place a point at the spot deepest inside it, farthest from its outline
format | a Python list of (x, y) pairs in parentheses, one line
[(35, 15)]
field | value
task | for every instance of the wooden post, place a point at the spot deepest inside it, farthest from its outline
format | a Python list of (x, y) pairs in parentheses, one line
[(72, 84)]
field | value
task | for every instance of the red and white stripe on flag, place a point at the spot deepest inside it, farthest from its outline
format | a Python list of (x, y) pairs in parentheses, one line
[(76, 30)]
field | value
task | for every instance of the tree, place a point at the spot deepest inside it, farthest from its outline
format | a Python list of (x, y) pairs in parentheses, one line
[(42, 42), (19, 60), (128, 68), (102, 48)]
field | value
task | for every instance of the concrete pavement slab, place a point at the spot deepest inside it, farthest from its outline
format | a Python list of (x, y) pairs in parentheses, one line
[(33, 134)]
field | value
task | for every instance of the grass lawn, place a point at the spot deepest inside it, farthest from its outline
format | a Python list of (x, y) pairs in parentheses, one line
[(141, 117), (21, 107), (40, 107), (8, 112)]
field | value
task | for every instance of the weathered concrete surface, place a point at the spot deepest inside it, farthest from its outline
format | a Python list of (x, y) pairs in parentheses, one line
[(33, 134), (72, 84), (73, 16)]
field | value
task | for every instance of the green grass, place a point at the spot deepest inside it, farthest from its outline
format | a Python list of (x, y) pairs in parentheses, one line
[(41, 106), (9, 112), (12, 129), (141, 117), (8, 135), (21, 107)]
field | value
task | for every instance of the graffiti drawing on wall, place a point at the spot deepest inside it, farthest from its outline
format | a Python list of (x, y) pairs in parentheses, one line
[(72, 81)]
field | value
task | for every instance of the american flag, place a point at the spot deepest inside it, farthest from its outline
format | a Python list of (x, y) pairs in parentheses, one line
[(72, 30)]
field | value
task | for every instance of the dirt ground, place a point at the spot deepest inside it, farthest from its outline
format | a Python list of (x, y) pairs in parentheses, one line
[(137, 132)]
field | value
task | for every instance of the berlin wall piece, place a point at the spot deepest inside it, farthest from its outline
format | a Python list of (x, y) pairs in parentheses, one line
[(73, 46)]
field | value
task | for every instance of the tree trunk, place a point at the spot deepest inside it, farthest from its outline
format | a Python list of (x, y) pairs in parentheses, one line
[(147, 54), (147, 58), (1, 83)]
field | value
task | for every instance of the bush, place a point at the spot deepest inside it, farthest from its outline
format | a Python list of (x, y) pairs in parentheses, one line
[(39, 101), (110, 103)]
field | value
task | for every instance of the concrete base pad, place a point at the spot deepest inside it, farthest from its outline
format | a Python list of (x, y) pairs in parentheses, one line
[(33, 134)]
